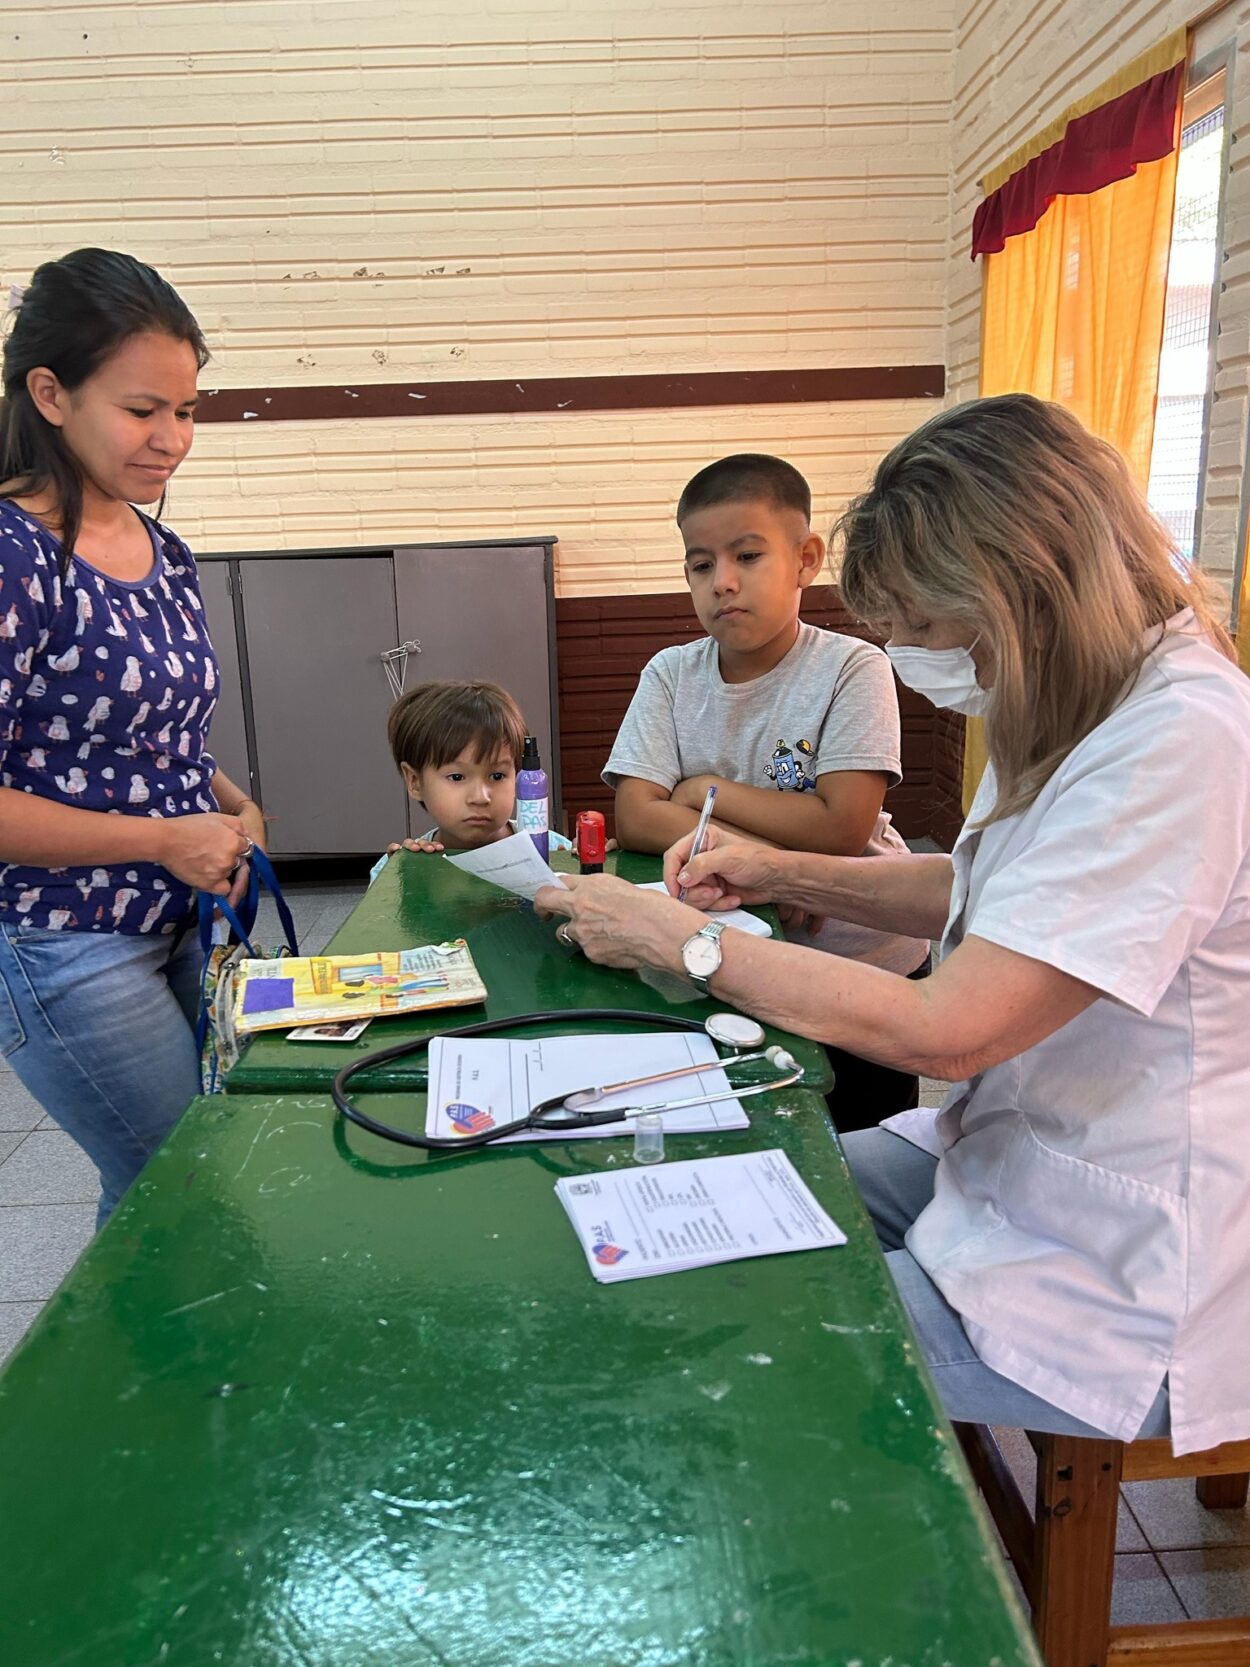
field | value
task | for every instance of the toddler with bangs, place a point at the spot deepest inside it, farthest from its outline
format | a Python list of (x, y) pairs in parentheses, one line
[(458, 746)]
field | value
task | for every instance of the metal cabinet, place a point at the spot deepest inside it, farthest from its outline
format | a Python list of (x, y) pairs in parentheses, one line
[(319, 699), (305, 696), (484, 612)]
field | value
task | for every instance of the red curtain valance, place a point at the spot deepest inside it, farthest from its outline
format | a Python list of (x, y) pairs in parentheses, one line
[(1096, 149)]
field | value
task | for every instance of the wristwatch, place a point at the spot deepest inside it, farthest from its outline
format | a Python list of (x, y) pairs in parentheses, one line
[(701, 953)]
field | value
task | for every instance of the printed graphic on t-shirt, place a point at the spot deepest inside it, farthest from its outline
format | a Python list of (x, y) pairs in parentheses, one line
[(790, 767)]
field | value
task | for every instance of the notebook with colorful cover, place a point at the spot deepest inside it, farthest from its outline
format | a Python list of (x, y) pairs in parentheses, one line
[(313, 989)]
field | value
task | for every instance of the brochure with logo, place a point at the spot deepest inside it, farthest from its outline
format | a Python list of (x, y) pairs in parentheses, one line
[(633, 1223), (321, 989)]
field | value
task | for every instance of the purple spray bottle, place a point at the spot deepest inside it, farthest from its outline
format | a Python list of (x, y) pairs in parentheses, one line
[(531, 797)]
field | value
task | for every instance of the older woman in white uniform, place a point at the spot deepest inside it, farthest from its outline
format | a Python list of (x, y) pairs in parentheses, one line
[(1077, 1258)]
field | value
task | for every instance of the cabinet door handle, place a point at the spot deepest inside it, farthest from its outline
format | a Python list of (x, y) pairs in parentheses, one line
[(395, 664), (389, 655)]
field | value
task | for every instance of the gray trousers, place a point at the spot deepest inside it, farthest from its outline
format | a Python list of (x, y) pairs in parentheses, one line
[(895, 1180)]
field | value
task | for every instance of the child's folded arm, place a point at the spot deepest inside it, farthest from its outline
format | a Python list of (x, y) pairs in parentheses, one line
[(649, 819), (837, 820)]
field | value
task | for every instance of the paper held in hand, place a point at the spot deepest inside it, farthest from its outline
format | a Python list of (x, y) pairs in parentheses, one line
[(633, 1223), (476, 1084), (512, 864), (727, 917)]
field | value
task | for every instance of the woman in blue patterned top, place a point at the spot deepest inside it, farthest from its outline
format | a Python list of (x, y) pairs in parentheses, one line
[(112, 811)]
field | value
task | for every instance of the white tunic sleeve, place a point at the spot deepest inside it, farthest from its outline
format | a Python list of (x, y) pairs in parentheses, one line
[(1138, 852)]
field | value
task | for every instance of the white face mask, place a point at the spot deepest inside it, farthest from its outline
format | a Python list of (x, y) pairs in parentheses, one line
[(946, 676)]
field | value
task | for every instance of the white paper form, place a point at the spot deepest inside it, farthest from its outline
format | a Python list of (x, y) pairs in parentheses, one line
[(478, 1084), (633, 1223), (727, 917), (512, 864), (919, 1127)]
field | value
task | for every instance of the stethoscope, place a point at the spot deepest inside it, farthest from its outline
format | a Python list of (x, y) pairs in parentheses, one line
[(566, 1113)]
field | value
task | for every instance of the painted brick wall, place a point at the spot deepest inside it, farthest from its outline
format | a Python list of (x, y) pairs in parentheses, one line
[(376, 190), (1017, 65), (606, 484)]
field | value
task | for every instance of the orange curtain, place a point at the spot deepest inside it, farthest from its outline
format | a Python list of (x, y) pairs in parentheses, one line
[(1072, 311)]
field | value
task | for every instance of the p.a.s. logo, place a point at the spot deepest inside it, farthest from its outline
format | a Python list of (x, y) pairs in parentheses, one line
[(468, 1119), (608, 1254)]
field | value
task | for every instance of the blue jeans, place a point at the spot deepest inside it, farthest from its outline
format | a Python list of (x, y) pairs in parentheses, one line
[(895, 1180), (100, 1027)]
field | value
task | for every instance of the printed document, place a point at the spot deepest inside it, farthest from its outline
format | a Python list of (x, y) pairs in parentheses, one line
[(727, 917), (512, 864), (636, 1222), (478, 1084)]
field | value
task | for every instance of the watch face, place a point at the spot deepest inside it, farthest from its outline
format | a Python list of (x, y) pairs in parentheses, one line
[(702, 956)]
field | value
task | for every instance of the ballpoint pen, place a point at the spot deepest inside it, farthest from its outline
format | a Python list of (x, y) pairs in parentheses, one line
[(700, 834)]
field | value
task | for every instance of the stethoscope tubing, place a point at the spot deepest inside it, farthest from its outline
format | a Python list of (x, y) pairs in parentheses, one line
[(346, 1108)]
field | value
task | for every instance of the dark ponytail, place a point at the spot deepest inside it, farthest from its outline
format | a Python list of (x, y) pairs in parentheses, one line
[(75, 314)]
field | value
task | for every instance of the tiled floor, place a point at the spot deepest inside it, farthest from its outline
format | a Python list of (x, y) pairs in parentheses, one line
[(1173, 1557)]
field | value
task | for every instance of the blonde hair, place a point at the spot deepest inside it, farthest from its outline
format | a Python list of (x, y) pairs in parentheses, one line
[(1007, 517)]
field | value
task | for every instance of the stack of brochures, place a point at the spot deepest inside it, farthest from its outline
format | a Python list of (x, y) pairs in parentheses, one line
[(319, 989), (636, 1222)]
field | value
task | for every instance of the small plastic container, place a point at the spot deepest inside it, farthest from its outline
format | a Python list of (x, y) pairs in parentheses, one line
[(591, 841), (649, 1138)]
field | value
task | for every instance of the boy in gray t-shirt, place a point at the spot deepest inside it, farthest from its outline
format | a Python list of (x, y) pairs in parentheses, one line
[(797, 727)]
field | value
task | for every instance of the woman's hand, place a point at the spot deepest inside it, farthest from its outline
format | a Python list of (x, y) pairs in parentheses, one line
[(253, 820), (412, 845), (204, 850), (616, 923), (727, 872), (238, 886)]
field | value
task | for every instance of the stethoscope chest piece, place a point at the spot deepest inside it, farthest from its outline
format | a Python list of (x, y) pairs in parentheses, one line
[(734, 1030)]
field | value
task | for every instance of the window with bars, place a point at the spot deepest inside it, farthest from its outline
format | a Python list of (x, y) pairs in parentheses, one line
[(1177, 455)]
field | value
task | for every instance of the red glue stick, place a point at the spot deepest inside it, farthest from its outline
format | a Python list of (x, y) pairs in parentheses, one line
[(592, 841)]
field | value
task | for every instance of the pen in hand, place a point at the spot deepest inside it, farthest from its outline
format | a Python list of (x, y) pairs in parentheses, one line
[(700, 834)]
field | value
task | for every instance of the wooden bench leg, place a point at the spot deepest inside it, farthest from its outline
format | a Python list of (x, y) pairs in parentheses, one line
[(1222, 1493), (1078, 1497)]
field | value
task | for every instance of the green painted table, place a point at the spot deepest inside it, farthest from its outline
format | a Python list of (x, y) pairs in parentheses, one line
[(418, 900), (312, 1401)]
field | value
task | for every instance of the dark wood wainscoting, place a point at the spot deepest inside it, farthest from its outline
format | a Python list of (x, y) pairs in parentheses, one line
[(603, 642)]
